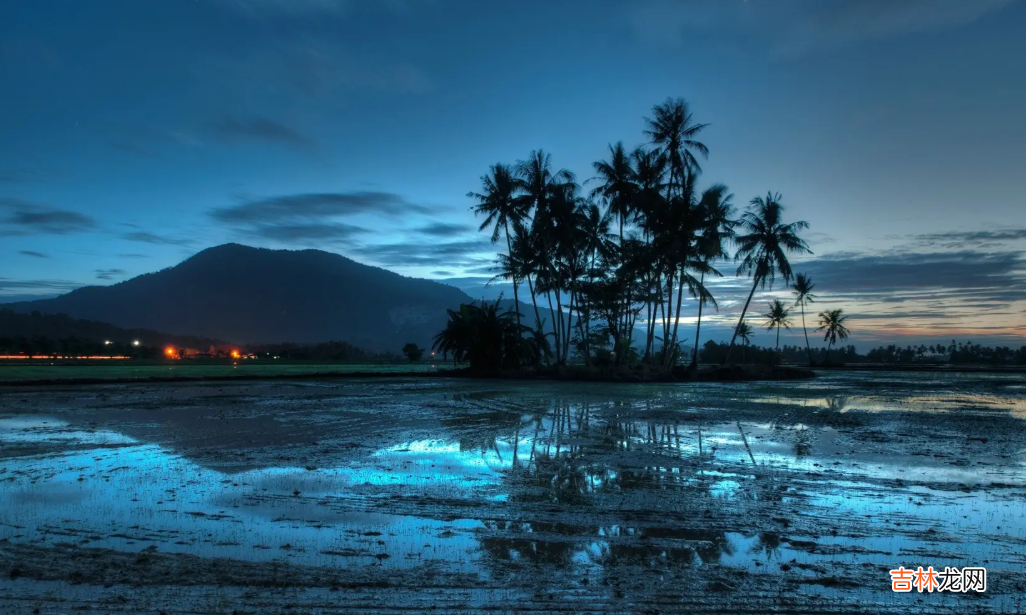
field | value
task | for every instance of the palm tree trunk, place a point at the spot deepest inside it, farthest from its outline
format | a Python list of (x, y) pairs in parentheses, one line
[(555, 324), (534, 302), (516, 297), (680, 296), (667, 309), (806, 331), (730, 348), (776, 351), (698, 327)]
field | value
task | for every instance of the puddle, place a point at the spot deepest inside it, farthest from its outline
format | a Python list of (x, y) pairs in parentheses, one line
[(561, 482)]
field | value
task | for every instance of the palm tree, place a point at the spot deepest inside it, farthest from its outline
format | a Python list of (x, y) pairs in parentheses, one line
[(547, 192), (778, 316), (764, 246), (673, 132), (802, 290), (718, 228), (744, 331), (618, 184), (832, 322), (499, 204)]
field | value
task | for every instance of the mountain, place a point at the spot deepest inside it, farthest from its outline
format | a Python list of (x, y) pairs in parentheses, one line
[(255, 295)]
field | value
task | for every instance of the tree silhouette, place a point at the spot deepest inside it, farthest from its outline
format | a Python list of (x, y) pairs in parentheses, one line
[(413, 352), (832, 322), (778, 316), (764, 245), (499, 204), (802, 290), (745, 331)]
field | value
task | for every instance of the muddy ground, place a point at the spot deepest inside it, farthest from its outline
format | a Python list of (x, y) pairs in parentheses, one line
[(384, 496)]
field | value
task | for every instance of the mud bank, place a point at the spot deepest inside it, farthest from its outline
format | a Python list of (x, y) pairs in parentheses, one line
[(455, 495)]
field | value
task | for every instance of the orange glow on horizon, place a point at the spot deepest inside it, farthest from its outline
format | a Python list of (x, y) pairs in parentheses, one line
[(236, 354)]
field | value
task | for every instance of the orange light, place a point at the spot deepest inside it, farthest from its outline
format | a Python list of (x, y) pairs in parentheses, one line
[(235, 354), (169, 351)]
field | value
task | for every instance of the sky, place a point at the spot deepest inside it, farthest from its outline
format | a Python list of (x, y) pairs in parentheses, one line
[(134, 134)]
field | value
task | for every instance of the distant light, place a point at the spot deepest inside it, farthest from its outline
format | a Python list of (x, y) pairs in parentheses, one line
[(135, 343), (107, 342), (169, 351), (235, 354)]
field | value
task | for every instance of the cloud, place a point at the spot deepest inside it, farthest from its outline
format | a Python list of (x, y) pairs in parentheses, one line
[(442, 229), (233, 130), (33, 253), (460, 254), (25, 218), (145, 237), (324, 205), (48, 287), (940, 281), (795, 27), (133, 256), (303, 232), (109, 274), (970, 239)]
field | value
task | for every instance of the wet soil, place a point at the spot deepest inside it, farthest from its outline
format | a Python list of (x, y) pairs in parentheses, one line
[(455, 495)]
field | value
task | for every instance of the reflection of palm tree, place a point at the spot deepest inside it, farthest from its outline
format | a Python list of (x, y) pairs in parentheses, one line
[(764, 246), (832, 321), (499, 203), (777, 317), (802, 290)]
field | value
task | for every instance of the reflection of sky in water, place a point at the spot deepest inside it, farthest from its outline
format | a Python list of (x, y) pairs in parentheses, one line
[(131, 498), (138, 495)]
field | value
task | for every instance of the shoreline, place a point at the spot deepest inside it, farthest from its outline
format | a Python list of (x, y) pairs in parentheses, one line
[(572, 373)]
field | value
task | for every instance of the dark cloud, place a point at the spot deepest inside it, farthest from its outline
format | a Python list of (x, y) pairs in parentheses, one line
[(442, 229), (109, 274), (233, 130), (452, 254), (323, 205), (47, 287), (895, 278), (33, 253), (301, 232), (442, 273), (145, 237), (18, 217), (970, 239), (134, 256)]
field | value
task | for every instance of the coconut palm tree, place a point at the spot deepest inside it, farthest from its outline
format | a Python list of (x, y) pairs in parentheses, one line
[(744, 331), (498, 201), (548, 193), (673, 131), (832, 321), (764, 245), (618, 184), (802, 290), (718, 229), (778, 316)]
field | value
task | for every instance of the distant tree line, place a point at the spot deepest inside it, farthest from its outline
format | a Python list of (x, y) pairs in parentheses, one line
[(955, 353), (42, 346), (341, 352)]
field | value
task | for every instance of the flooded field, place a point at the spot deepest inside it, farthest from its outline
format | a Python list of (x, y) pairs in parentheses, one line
[(452, 495)]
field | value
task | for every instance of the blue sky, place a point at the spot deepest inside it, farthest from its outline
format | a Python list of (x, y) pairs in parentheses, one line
[(137, 133)]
